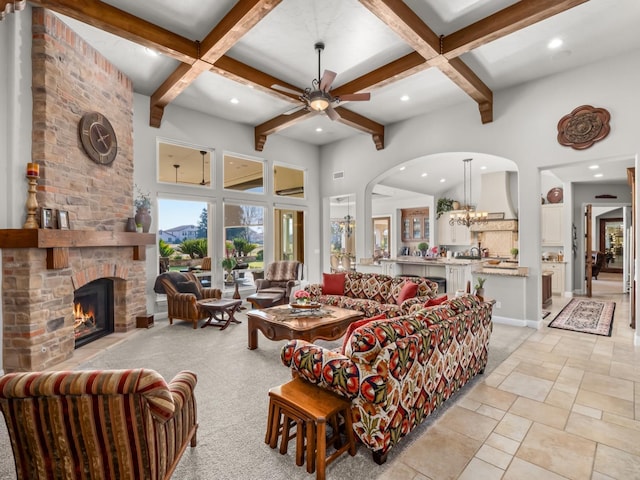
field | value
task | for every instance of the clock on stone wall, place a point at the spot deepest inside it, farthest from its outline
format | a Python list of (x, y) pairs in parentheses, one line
[(98, 138)]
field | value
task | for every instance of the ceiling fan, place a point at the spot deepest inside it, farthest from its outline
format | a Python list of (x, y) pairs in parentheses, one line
[(318, 98), (203, 182)]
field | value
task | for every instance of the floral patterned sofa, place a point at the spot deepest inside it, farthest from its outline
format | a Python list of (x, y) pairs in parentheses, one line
[(399, 370), (374, 294)]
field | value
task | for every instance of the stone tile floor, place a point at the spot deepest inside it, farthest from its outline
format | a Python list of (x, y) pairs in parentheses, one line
[(564, 405)]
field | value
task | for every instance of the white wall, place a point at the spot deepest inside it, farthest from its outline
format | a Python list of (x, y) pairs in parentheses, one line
[(524, 131)]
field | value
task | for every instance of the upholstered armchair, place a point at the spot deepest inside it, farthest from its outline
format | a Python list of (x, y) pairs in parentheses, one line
[(106, 424), (281, 276), (183, 291)]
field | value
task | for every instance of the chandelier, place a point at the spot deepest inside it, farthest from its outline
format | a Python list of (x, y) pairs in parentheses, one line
[(347, 225), (469, 216)]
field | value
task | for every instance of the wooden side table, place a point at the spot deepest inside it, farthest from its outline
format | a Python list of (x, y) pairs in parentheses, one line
[(220, 307)]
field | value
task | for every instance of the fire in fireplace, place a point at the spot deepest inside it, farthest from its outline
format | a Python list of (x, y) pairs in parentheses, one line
[(93, 311)]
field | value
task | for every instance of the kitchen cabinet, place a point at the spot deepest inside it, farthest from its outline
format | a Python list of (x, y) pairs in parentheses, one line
[(457, 277), (415, 224), (551, 225), (452, 234), (557, 280)]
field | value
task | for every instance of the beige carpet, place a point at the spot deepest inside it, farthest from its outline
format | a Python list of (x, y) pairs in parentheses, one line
[(232, 400)]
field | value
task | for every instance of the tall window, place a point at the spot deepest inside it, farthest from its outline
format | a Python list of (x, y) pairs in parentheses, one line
[(288, 182), (244, 239), (182, 233)]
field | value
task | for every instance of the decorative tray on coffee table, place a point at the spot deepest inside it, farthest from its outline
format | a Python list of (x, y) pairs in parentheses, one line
[(306, 306)]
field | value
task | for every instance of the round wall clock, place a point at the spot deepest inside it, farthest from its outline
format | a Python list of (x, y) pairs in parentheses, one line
[(98, 138)]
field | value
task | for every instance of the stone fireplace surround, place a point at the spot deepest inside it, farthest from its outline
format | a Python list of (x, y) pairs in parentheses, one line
[(43, 267)]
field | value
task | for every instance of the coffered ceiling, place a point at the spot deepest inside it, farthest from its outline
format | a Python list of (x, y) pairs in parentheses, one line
[(223, 57)]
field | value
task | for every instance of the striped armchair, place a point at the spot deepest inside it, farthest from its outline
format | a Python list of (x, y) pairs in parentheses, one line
[(99, 424)]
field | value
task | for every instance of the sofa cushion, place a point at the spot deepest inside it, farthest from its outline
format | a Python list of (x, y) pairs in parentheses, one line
[(333, 283), (432, 302), (355, 325), (189, 287), (367, 341), (409, 290)]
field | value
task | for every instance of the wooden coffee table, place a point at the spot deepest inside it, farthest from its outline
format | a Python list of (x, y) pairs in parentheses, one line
[(275, 324)]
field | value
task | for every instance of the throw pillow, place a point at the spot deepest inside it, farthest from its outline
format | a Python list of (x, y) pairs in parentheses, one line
[(333, 283), (355, 325), (432, 302), (189, 287), (409, 290)]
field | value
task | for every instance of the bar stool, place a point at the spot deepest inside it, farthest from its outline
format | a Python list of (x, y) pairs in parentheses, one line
[(307, 408)]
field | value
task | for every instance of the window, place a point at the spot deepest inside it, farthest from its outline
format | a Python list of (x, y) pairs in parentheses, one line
[(243, 174), (184, 165), (182, 233), (244, 239), (288, 182)]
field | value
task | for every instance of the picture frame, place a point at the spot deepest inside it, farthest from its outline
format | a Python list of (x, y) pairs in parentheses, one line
[(46, 218), (63, 220)]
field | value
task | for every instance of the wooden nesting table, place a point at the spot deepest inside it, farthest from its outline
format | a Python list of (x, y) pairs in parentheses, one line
[(277, 324), (220, 307)]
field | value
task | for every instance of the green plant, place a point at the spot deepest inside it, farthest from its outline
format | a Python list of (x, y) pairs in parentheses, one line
[(165, 249), (444, 205), (143, 200), (243, 246), (191, 247), (228, 263), (423, 246), (514, 251), (479, 283)]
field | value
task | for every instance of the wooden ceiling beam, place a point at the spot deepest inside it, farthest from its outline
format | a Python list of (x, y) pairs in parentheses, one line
[(118, 22), (364, 124), (276, 124), (239, 20), (508, 20), (406, 24), (247, 75)]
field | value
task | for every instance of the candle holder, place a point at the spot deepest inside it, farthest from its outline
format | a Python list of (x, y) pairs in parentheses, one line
[(32, 203)]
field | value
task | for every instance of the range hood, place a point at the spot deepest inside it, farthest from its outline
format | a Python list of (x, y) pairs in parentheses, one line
[(495, 196)]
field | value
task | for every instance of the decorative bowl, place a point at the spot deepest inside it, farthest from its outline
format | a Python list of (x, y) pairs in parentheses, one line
[(306, 305), (555, 195)]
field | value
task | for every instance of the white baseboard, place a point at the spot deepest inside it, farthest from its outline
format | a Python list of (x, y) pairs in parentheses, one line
[(516, 322)]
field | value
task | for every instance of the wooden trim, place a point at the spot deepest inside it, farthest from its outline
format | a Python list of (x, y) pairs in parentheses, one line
[(58, 242)]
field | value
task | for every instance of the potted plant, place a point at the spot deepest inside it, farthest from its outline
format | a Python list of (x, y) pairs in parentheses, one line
[(479, 287), (423, 247), (514, 252), (444, 205), (142, 203), (228, 263)]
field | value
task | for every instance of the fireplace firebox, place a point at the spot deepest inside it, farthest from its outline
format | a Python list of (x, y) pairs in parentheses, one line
[(93, 311)]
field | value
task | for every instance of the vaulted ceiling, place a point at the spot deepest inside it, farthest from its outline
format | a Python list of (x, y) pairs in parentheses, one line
[(223, 57)]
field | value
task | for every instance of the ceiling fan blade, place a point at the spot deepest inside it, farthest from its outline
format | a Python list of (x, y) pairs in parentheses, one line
[(331, 113), (275, 86), (327, 79), (355, 97), (294, 109)]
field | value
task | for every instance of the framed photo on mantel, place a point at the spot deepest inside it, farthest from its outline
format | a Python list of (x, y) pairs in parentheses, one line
[(46, 218), (63, 220)]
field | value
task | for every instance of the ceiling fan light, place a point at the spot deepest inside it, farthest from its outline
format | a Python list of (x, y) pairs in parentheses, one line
[(318, 101)]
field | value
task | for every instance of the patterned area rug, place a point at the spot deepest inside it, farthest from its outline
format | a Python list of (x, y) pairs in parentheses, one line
[(586, 315)]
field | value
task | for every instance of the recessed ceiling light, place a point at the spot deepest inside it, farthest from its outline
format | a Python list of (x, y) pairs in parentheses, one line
[(483, 167), (404, 98), (402, 169), (554, 43), (318, 129), (598, 175), (423, 175), (150, 52), (594, 167), (442, 180), (235, 101)]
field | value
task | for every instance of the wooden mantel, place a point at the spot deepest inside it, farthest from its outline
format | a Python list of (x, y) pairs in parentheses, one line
[(58, 242)]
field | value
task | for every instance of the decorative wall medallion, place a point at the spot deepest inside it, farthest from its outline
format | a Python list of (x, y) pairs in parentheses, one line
[(98, 138), (583, 127)]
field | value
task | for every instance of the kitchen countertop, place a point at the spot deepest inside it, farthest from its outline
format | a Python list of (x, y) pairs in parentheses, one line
[(433, 261)]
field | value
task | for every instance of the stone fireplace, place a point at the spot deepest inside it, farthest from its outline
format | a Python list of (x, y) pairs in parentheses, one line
[(42, 268)]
